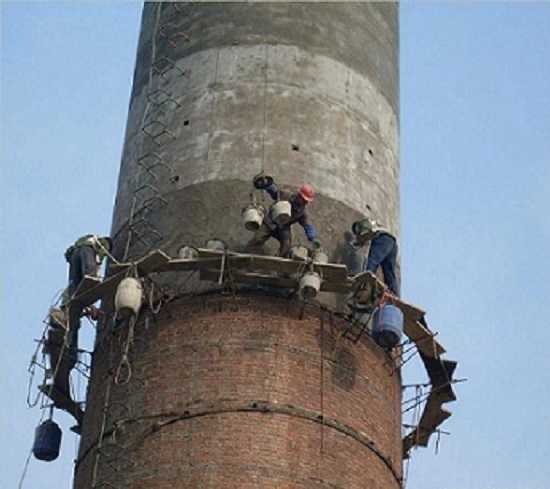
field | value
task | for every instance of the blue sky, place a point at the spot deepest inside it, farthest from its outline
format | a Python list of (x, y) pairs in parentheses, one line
[(475, 197)]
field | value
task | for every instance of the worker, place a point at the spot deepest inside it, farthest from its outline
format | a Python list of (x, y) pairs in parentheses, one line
[(299, 199), (85, 257), (382, 252)]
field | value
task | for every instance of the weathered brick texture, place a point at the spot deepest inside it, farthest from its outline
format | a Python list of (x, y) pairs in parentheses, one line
[(239, 393)]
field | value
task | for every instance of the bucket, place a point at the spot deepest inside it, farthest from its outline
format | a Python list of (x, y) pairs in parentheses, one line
[(388, 326), (216, 244), (188, 253), (310, 283), (47, 441), (298, 252), (253, 215), (319, 257), (128, 297), (280, 212)]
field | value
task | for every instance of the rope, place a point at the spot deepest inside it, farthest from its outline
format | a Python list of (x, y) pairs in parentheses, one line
[(101, 433), (27, 462), (322, 393), (125, 361), (264, 110)]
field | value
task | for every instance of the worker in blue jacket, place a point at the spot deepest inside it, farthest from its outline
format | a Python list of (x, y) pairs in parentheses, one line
[(299, 199)]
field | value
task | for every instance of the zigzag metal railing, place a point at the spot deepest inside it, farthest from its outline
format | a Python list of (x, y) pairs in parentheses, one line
[(157, 133)]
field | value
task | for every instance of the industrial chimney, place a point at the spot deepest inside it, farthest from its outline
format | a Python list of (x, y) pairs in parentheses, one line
[(221, 385)]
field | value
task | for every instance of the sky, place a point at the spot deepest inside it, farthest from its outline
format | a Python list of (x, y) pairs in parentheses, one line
[(475, 198)]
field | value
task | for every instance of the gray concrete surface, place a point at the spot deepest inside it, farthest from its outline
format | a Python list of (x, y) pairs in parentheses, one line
[(306, 92)]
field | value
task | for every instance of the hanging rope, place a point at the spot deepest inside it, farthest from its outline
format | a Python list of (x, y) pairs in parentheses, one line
[(322, 391), (124, 363)]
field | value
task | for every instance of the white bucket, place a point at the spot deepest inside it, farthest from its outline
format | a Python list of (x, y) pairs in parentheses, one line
[(216, 244), (188, 253), (310, 283), (319, 257), (280, 212), (298, 253), (128, 297), (253, 215)]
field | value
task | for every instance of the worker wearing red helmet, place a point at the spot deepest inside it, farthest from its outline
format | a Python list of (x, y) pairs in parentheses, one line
[(299, 199)]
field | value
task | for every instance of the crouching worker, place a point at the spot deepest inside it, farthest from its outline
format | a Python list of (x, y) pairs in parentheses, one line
[(382, 252), (299, 199)]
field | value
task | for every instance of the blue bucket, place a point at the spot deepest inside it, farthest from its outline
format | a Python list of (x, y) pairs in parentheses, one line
[(47, 441), (388, 326)]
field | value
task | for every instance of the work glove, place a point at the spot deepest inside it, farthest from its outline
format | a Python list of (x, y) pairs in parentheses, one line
[(316, 244), (262, 181)]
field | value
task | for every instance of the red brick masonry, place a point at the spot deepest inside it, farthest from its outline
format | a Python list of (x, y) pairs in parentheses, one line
[(242, 393)]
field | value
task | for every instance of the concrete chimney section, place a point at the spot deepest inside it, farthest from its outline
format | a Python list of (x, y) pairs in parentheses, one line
[(250, 390), (306, 92)]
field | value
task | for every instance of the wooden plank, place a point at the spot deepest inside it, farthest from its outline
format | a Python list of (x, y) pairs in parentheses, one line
[(62, 400), (146, 265), (251, 278), (422, 337), (333, 272), (432, 417), (150, 263), (329, 271), (337, 287), (182, 265), (87, 283), (409, 310)]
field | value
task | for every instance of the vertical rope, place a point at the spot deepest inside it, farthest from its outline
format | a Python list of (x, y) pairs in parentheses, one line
[(263, 134), (102, 432), (212, 106), (322, 393)]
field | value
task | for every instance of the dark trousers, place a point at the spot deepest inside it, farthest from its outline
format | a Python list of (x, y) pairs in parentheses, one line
[(81, 263), (282, 235), (383, 253)]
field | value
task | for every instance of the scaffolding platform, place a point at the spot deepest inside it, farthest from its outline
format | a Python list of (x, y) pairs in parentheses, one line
[(232, 268)]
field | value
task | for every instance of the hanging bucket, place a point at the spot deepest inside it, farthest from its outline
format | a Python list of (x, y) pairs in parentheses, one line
[(216, 244), (298, 252), (310, 283), (388, 326), (280, 212), (188, 253), (128, 297), (319, 257), (253, 215), (47, 441)]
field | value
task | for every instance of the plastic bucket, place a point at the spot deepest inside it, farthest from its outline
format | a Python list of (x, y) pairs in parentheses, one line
[(47, 441), (128, 297), (252, 215), (188, 253), (280, 212), (216, 244), (298, 252), (310, 283), (319, 257), (388, 326)]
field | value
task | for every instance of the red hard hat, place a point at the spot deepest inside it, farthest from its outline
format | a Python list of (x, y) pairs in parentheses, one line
[(306, 192)]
